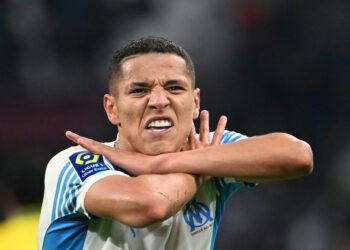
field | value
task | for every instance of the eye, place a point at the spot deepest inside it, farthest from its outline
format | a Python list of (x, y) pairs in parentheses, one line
[(138, 91), (175, 88)]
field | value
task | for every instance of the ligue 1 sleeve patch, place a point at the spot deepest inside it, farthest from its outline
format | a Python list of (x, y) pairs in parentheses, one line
[(86, 164)]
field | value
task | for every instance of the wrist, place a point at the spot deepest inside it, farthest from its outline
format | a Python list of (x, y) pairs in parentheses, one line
[(159, 164)]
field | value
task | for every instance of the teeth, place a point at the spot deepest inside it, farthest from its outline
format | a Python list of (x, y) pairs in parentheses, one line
[(159, 124)]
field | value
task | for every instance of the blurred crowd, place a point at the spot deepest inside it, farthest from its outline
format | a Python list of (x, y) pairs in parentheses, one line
[(268, 65)]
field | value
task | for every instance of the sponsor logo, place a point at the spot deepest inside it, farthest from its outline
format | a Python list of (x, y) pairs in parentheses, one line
[(87, 164), (197, 216), (86, 158)]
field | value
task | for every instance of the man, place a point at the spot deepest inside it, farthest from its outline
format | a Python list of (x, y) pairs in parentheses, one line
[(159, 185)]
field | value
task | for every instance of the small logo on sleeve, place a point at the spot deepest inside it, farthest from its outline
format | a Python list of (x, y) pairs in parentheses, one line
[(87, 164)]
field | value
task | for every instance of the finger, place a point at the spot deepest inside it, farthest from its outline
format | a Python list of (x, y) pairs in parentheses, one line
[(190, 143), (219, 130), (91, 145), (204, 127), (192, 137), (72, 136)]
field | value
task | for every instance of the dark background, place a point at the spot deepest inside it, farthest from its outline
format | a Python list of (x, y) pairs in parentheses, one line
[(267, 65)]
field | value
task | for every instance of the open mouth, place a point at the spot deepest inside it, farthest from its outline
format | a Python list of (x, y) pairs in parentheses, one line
[(160, 124)]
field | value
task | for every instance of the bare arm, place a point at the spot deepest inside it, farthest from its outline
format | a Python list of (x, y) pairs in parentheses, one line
[(140, 201), (258, 159), (270, 157), (275, 156), (146, 199)]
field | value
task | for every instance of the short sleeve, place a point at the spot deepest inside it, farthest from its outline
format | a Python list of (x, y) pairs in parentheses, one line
[(227, 185), (232, 136), (81, 171)]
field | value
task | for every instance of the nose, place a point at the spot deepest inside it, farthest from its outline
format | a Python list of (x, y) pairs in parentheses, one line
[(158, 98)]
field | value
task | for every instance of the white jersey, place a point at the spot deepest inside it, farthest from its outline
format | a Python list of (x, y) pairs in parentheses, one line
[(65, 223)]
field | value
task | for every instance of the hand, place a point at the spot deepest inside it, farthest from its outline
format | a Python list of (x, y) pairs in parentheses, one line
[(134, 163), (195, 142), (91, 145), (203, 141)]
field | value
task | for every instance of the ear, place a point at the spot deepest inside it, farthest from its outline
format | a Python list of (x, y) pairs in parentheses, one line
[(110, 106), (196, 99)]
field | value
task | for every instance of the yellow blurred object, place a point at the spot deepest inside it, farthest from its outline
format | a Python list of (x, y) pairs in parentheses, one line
[(19, 231)]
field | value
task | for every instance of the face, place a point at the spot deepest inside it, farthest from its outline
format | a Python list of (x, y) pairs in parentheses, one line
[(154, 103)]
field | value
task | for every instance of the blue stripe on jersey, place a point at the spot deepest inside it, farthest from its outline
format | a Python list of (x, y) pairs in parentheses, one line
[(225, 136), (231, 136), (226, 189), (225, 192), (66, 189), (68, 205), (65, 193), (73, 203), (235, 138), (53, 215), (67, 232)]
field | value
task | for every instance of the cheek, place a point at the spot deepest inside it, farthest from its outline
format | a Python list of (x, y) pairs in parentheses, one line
[(186, 115), (130, 117), (187, 108), (128, 114)]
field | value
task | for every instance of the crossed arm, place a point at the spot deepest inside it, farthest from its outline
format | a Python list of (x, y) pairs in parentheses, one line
[(140, 201), (165, 182)]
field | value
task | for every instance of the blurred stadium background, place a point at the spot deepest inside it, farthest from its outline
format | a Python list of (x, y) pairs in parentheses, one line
[(271, 65)]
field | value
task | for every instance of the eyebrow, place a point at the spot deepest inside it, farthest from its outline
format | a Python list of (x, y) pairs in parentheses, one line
[(169, 82), (174, 82), (146, 84), (138, 84)]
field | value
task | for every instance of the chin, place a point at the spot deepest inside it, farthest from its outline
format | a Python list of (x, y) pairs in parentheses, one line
[(160, 148)]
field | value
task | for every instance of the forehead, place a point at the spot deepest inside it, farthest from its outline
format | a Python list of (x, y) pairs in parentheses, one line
[(154, 65)]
